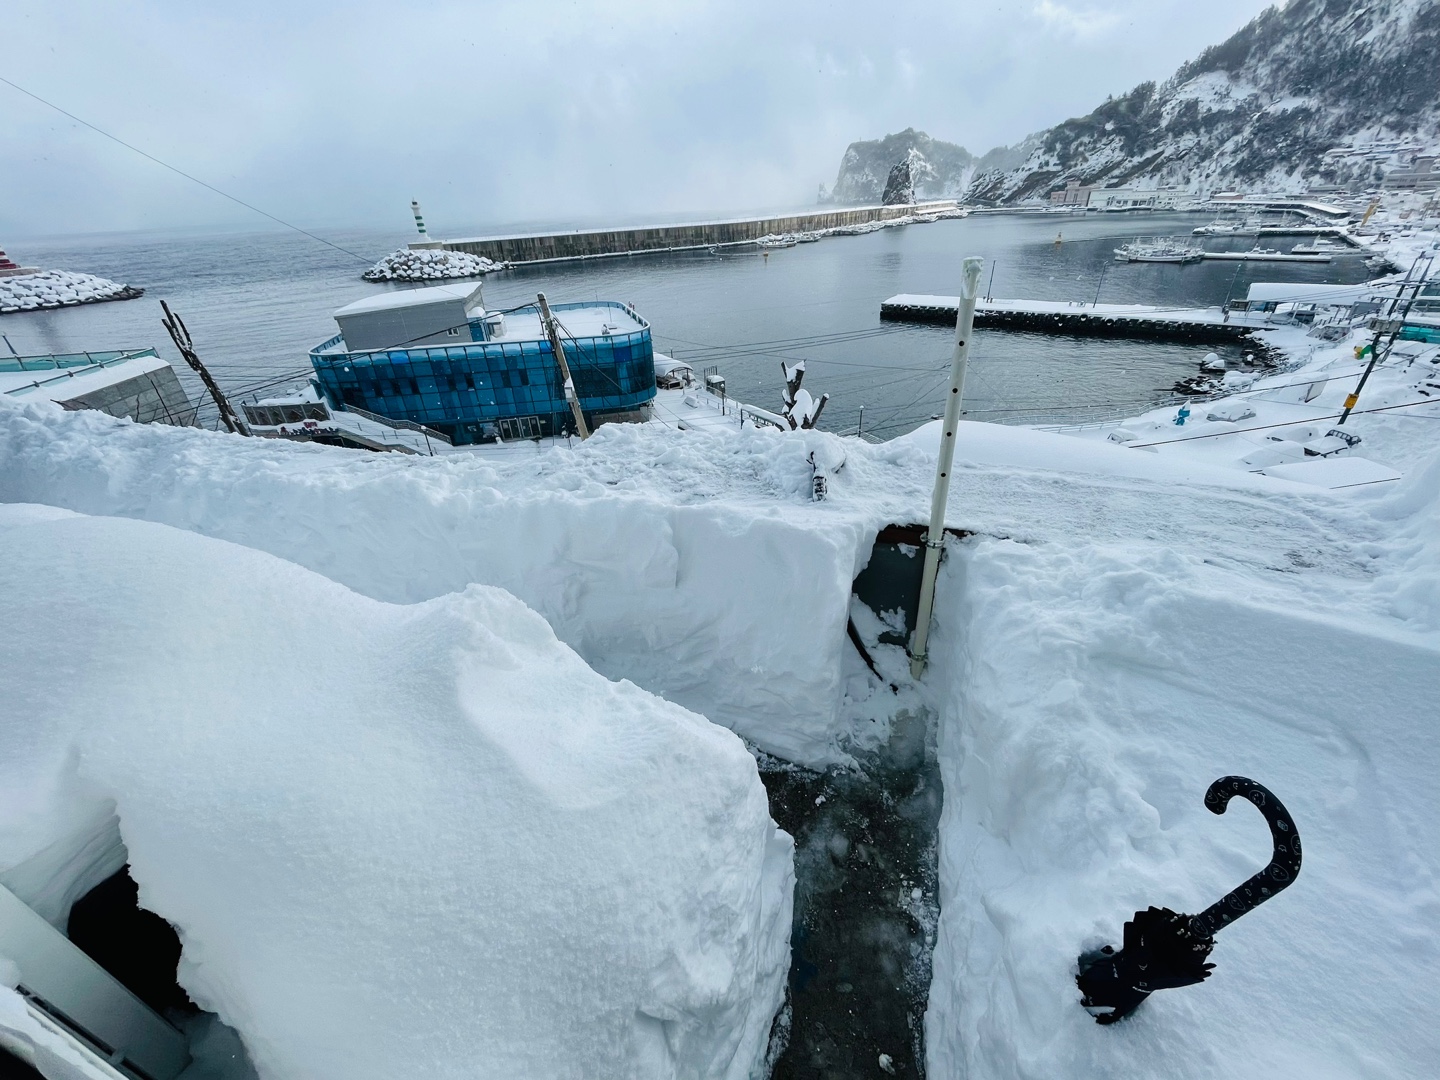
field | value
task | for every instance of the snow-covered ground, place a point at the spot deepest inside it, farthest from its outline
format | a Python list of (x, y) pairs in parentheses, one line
[(396, 839), (1127, 623), (58, 288)]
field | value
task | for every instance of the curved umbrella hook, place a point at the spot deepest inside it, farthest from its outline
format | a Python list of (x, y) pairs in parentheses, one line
[(1164, 949), (1284, 859)]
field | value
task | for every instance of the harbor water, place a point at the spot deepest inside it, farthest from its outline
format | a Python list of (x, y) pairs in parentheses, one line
[(256, 302)]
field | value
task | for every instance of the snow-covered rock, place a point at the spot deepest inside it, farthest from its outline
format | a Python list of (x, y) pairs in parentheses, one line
[(430, 265), (900, 184), (396, 840), (937, 169), (59, 288)]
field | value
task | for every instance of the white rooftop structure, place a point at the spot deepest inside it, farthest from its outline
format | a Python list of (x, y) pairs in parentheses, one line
[(437, 315), (1309, 292), (465, 292)]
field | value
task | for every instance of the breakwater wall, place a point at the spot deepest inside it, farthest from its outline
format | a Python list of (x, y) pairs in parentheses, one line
[(1085, 320), (601, 243)]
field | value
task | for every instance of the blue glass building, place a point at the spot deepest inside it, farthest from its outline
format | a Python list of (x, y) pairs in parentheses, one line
[(435, 357)]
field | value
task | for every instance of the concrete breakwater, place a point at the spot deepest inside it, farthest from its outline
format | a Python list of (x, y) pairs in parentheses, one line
[(1088, 320), (600, 243)]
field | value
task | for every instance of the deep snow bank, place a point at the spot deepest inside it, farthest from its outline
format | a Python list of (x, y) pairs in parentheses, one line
[(1093, 691), (660, 556), (417, 840), (693, 563)]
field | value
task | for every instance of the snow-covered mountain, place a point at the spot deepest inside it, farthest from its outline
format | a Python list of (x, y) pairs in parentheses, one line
[(1259, 111), (937, 169), (1312, 92)]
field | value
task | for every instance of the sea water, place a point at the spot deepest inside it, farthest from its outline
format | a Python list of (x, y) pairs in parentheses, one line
[(256, 302)]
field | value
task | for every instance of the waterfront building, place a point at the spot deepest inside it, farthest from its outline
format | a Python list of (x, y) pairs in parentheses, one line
[(134, 383), (1420, 175), (435, 357), (1137, 199), (1073, 193)]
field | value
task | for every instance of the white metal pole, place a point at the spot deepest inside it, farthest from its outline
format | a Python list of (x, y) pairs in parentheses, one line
[(935, 534)]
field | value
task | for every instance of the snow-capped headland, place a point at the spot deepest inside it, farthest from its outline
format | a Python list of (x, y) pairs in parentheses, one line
[(1314, 94)]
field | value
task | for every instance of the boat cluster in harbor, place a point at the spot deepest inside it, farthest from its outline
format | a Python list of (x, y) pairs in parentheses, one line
[(59, 288), (431, 265)]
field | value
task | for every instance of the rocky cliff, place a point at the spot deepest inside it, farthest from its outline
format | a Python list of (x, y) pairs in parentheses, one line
[(936, 169), (1315, 92)]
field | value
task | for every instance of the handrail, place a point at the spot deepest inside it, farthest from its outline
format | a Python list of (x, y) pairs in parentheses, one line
[(390, 421), (71, 372)]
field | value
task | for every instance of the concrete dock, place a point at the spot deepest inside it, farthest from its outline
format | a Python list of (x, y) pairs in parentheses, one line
[(1265, 256), (1090, 320), (602, 243)]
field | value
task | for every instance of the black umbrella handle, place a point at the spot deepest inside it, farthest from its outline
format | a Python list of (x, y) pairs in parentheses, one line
[(1284, 861)]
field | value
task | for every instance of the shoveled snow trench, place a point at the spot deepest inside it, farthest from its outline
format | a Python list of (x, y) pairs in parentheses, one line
[(1119, 631)]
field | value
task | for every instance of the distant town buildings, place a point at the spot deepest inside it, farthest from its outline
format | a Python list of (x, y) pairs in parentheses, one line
[(1075, 193), (1420, 175)]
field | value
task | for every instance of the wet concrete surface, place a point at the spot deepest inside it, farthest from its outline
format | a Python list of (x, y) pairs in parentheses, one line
[(865, 911)]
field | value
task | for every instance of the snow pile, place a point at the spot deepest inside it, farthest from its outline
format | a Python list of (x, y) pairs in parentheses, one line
[(696, 565), (1097, 688), (430, 265), (396, 840), (1408, 559), (59, 288)]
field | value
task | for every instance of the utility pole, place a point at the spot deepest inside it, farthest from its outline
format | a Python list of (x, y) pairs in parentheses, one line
[(935, 534), (180, 334), (1392, 323), (553, 332)]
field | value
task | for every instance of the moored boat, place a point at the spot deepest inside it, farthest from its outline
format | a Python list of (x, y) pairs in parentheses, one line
[(1158, 251)]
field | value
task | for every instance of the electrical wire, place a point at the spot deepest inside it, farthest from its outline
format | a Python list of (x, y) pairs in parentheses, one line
[(181, 172)]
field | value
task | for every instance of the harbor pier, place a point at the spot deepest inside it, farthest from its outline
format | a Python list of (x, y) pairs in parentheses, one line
[(700, 235), (1089, 320)]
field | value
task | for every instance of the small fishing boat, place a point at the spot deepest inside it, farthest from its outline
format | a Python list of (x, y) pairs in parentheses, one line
[(1158, 251)]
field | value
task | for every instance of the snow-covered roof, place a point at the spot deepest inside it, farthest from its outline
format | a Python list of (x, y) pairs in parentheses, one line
[(592, 320), (64, 378), (1308, 292), (402, 298), (665, 363)]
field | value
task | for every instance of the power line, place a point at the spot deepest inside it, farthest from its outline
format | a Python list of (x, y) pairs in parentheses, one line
[(181, 172), (1288, 423)]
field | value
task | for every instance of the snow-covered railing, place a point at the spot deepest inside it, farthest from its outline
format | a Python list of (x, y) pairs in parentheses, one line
[(91, 362), (390, 421)]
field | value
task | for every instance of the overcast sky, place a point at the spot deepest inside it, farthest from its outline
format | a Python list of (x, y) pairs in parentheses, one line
[(331, 113)]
